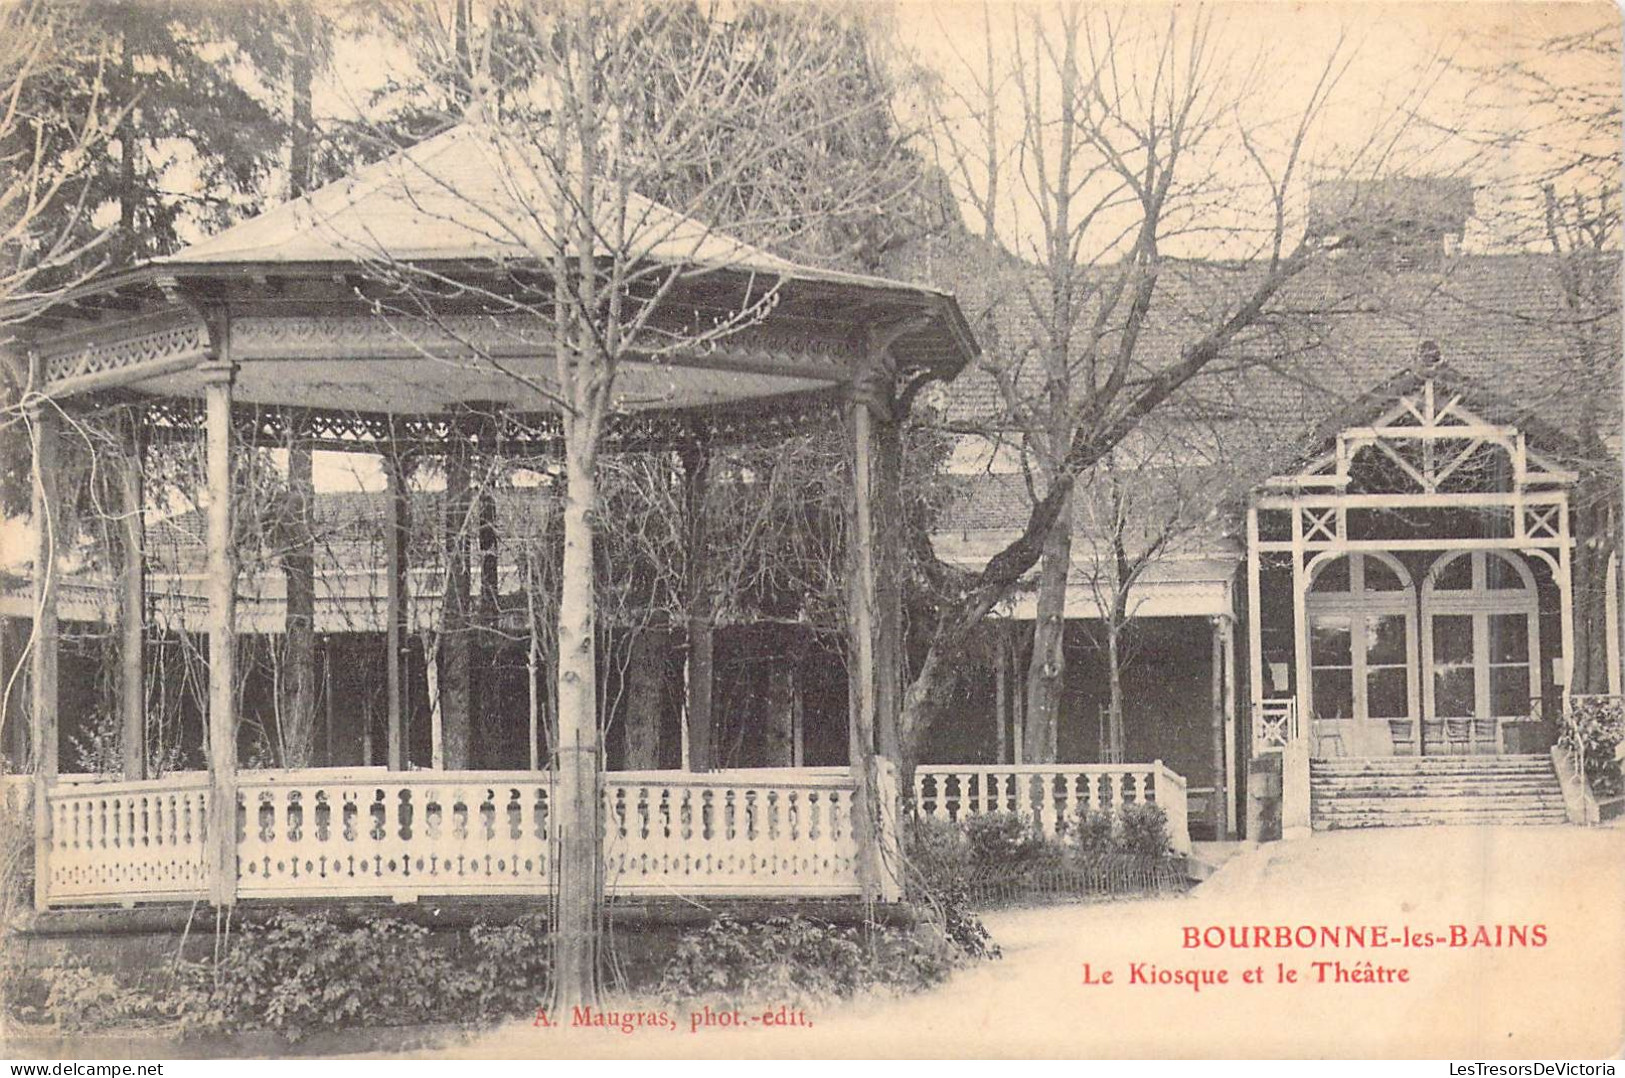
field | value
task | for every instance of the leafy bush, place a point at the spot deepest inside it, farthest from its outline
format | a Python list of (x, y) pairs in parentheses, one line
[(941, 860), (75, 998), (1143, 830), (1138, 828), (799, 962), (1595, 728), (1002, 838), (1095, 832), (302, 971)]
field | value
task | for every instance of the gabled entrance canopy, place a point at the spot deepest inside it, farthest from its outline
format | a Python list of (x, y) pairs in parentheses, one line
[(1411, 553)]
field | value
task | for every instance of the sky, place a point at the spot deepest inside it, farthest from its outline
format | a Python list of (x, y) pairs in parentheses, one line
[(1394, 54)]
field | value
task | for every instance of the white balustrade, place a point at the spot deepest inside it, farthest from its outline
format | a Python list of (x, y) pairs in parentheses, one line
[(128, 842), (1051, 795), (760, 832), (373, 833), (311, 833)]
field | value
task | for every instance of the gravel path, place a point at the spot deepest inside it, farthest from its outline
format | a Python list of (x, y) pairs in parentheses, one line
[(1562, 999)]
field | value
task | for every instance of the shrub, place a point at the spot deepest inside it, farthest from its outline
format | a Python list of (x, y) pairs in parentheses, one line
[(1143, 830), (799, 962), (1095, 832), (941, 860), (1595, 728), (1138, 828), (77, 998), (1001, 839), (301, 971)]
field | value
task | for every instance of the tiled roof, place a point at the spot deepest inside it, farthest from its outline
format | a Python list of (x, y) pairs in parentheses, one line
[(473, 192), (1336, 331)]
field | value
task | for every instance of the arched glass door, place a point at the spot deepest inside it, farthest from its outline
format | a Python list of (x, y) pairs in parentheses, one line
[(1480, 650), (1361, 610)]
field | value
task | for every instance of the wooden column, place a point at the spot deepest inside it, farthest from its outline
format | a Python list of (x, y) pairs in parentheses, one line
[(397, 534), (132, 613), (1217, 680), (298, 704), (1255, 626), (222, 627), (1228, 639), (1300, 624), (1565, 594), (860, 615), (44, 427), (887, 556)]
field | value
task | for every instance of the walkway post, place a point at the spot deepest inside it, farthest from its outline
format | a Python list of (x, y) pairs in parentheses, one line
[(218, 374), (132, 612), (44, 424)]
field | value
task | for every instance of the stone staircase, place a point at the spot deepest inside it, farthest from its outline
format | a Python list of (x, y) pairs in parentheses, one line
[(1412, 791)]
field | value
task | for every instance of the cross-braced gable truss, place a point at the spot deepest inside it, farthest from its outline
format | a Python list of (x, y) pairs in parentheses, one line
[(1430, 436)]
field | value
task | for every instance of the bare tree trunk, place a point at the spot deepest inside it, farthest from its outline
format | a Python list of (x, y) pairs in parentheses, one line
[(697, 713), (1114, 699), (575, 928), (1046, 673), (298, 711), (490, 722), (302, 131), (646, 673), (1594, 523), (455, 659), (781, 716)]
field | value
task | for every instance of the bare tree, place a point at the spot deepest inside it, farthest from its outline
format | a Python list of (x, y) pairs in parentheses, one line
[(1549, 138), (43, 242), (581, 111), (1138, 135)]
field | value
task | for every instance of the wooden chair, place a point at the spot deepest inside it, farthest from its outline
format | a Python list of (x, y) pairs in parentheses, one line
[(1458, 735), (1403, 734), (1329, 736), (1486, 737)]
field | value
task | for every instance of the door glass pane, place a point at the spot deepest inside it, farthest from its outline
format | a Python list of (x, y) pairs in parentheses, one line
[(1509, 638), (1453, 638), (1385, 693), (1509, 691), (1385, 639), (1333, 576), (1457, 576), (1499, 574), (1329, 640), (1378, 577), (1453, 691), (1334, 694)]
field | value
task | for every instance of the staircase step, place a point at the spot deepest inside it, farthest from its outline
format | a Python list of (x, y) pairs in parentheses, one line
[(1414, 791), (1422, 802), (1438, 820), (1435, 763), (1401, 791), (1433, 773)]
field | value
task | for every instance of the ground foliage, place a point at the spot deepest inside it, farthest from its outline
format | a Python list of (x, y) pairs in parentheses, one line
[(1000, 858), (803, 962), (1595, 728)]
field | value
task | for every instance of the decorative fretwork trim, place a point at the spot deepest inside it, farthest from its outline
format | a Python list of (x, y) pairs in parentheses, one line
[(153, 348), (510, 433), (340, 337)]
